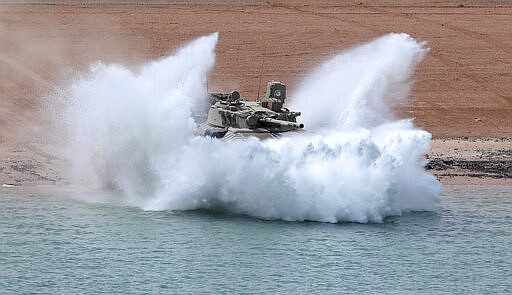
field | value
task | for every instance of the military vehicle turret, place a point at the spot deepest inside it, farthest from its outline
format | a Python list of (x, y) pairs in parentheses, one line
[(231, 117)]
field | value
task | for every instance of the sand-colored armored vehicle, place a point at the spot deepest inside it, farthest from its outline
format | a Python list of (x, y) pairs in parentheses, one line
[(231, 117)]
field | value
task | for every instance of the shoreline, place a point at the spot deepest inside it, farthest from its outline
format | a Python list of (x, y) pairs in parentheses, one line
[(471, 161), (453, 161)]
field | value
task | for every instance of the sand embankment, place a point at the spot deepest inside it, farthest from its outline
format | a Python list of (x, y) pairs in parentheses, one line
[(462, 89)]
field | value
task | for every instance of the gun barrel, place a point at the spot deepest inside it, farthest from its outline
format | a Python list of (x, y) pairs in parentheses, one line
[(280, 122)]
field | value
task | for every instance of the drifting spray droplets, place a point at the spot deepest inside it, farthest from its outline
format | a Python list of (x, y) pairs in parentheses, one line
[(357, 88)]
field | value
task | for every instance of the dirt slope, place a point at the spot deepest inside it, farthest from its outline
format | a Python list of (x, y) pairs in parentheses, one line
[(463, 87)]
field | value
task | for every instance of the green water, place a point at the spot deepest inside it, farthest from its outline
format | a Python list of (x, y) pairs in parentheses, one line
[(59, 245)]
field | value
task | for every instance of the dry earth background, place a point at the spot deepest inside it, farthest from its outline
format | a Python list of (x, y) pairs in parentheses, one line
[(462, 94)]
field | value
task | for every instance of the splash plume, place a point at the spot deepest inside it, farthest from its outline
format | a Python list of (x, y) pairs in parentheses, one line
[(133, 132)]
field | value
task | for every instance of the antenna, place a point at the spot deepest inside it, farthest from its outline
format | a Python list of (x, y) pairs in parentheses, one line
[(259, 83)]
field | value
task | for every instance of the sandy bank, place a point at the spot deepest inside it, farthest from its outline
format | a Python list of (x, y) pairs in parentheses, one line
[(462, 89)]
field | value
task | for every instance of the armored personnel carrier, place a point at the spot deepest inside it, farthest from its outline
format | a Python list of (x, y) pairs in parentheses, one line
[(231, 117)]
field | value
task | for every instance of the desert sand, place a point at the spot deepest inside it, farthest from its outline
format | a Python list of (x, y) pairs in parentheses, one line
[(462, 92)]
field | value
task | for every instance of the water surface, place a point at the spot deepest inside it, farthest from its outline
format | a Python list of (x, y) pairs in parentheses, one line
[(60, 245)]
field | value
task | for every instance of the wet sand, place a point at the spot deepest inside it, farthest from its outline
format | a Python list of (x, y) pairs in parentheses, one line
[(482, 161), (462, 92)]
